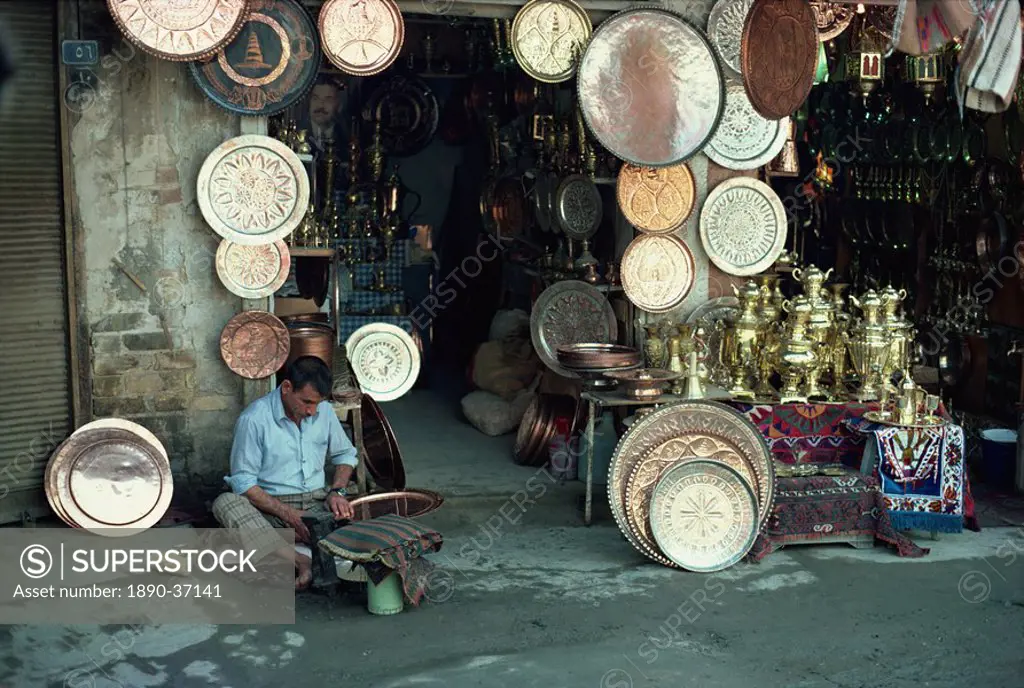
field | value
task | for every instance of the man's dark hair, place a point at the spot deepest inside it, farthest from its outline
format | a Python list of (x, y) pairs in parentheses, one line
[(309, 370)]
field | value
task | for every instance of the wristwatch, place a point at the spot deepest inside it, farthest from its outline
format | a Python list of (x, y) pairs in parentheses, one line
[(340, 490)]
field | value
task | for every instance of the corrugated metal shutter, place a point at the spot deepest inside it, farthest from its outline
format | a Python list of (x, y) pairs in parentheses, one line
[(35, 406)]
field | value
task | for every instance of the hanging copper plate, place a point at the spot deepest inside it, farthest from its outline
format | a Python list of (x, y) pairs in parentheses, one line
[(650, 87), (678, 420), (112, 481), (253, 190), (253, 272), (547, 38), (385, 360), (408, 113), (779, 55), (578, 207), (656, 200), (657, 272), (409, 503), (362, 37), (271, 65), (832, 18), (179, 31), (508, 208), (570, 312), (704, 516), (383, 457), (255, 344), (743, 226)]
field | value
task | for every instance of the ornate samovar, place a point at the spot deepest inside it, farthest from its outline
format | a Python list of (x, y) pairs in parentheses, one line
[(900, 332), (869, 346), (796, 351), (741, 339)]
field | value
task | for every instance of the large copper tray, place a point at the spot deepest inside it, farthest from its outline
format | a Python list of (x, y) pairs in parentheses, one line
[(704, 516), (650, 87), (658, 271), (111, 481), (570, 312), (362, 38), (253, 272), (779, 55), (253, 190), (678, 420), (270, 66), (409, 503), (121, 424), (255, 344), (181, 31), (656, 200), (743, 226), (383, 457), (385, 360)]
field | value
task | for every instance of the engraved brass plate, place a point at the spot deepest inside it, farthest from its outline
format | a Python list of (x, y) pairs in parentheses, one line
[(548, 37), (743, 226), (704, 516), (253, 272), (255, 344), (253, 190), (679, 420), (385, 360), (744, 139), (578, 207), (725, 30), (656, 200), (650, 87), (658, 272), (362, 37), (570, 312), (779, 55), (182, 30), (832, 18)]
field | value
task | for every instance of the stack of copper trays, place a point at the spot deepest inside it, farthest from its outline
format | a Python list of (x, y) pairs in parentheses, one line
[(592, 361), (539, 424)]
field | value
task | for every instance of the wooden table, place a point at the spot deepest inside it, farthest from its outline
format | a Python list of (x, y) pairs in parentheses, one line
[(597, 400)]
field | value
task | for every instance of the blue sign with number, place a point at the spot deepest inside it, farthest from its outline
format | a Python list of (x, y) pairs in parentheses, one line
[(80, 53)]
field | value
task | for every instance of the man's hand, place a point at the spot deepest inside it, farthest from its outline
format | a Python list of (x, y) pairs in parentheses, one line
[(339, 506), (293, 517)]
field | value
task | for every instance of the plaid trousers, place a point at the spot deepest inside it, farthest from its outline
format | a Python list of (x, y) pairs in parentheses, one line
[(256, 528)]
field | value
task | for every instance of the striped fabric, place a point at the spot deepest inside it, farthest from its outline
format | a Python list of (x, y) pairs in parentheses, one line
[(990, 61), (388, 543)]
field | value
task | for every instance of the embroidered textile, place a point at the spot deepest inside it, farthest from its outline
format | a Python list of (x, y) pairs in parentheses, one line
[(922, 474), (809, 433), (385, 544)]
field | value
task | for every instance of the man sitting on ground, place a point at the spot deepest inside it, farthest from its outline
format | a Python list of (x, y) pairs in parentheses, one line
[(277, 466)]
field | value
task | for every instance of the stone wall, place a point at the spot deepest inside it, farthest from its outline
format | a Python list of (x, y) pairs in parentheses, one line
[(148, 288)]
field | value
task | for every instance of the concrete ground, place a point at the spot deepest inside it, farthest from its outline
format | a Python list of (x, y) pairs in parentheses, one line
[(526, 596)]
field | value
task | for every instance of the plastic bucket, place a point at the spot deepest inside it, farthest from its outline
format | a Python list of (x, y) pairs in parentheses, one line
[(999, 457), (386, 598)]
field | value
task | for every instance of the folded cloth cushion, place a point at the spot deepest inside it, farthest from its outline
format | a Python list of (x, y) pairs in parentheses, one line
[(385, 544)]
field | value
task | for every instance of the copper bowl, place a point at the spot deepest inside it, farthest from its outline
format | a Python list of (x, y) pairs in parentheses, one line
[(643, 384), (598, 356)]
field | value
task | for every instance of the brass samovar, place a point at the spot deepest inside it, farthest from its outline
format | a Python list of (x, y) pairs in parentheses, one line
[(741, 340), (797, 359), (820, 325), (899, 331), (869, 346)]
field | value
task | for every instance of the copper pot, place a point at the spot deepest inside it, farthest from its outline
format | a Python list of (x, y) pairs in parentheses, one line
[(304, 318), (309, 339)]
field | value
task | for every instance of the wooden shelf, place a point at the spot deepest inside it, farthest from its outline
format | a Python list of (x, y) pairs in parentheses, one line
[(300, 252)]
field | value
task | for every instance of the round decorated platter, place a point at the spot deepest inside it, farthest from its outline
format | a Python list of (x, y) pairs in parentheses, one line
[(656, 200), (743, 226), (548, 37), (272, 63), (578, 207), (704, 516), (725, 30), (179, 31), (362, 37), (744, 139), (385, 360), (253, 272), (657, 272), (570, 312), (779, 55), (255, 344), (253, 190)]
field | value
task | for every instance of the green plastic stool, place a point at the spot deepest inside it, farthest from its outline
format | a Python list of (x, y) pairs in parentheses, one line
[(386, 598)]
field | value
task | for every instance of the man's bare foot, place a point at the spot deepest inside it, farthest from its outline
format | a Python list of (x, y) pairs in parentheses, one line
[(303, 571)]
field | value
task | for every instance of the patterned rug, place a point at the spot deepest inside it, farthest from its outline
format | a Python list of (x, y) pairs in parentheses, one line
[(809, 433), (815, 508), (923, 476)]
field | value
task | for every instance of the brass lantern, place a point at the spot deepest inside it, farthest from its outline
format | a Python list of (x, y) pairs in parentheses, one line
[(865, 61), (927, 72)]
